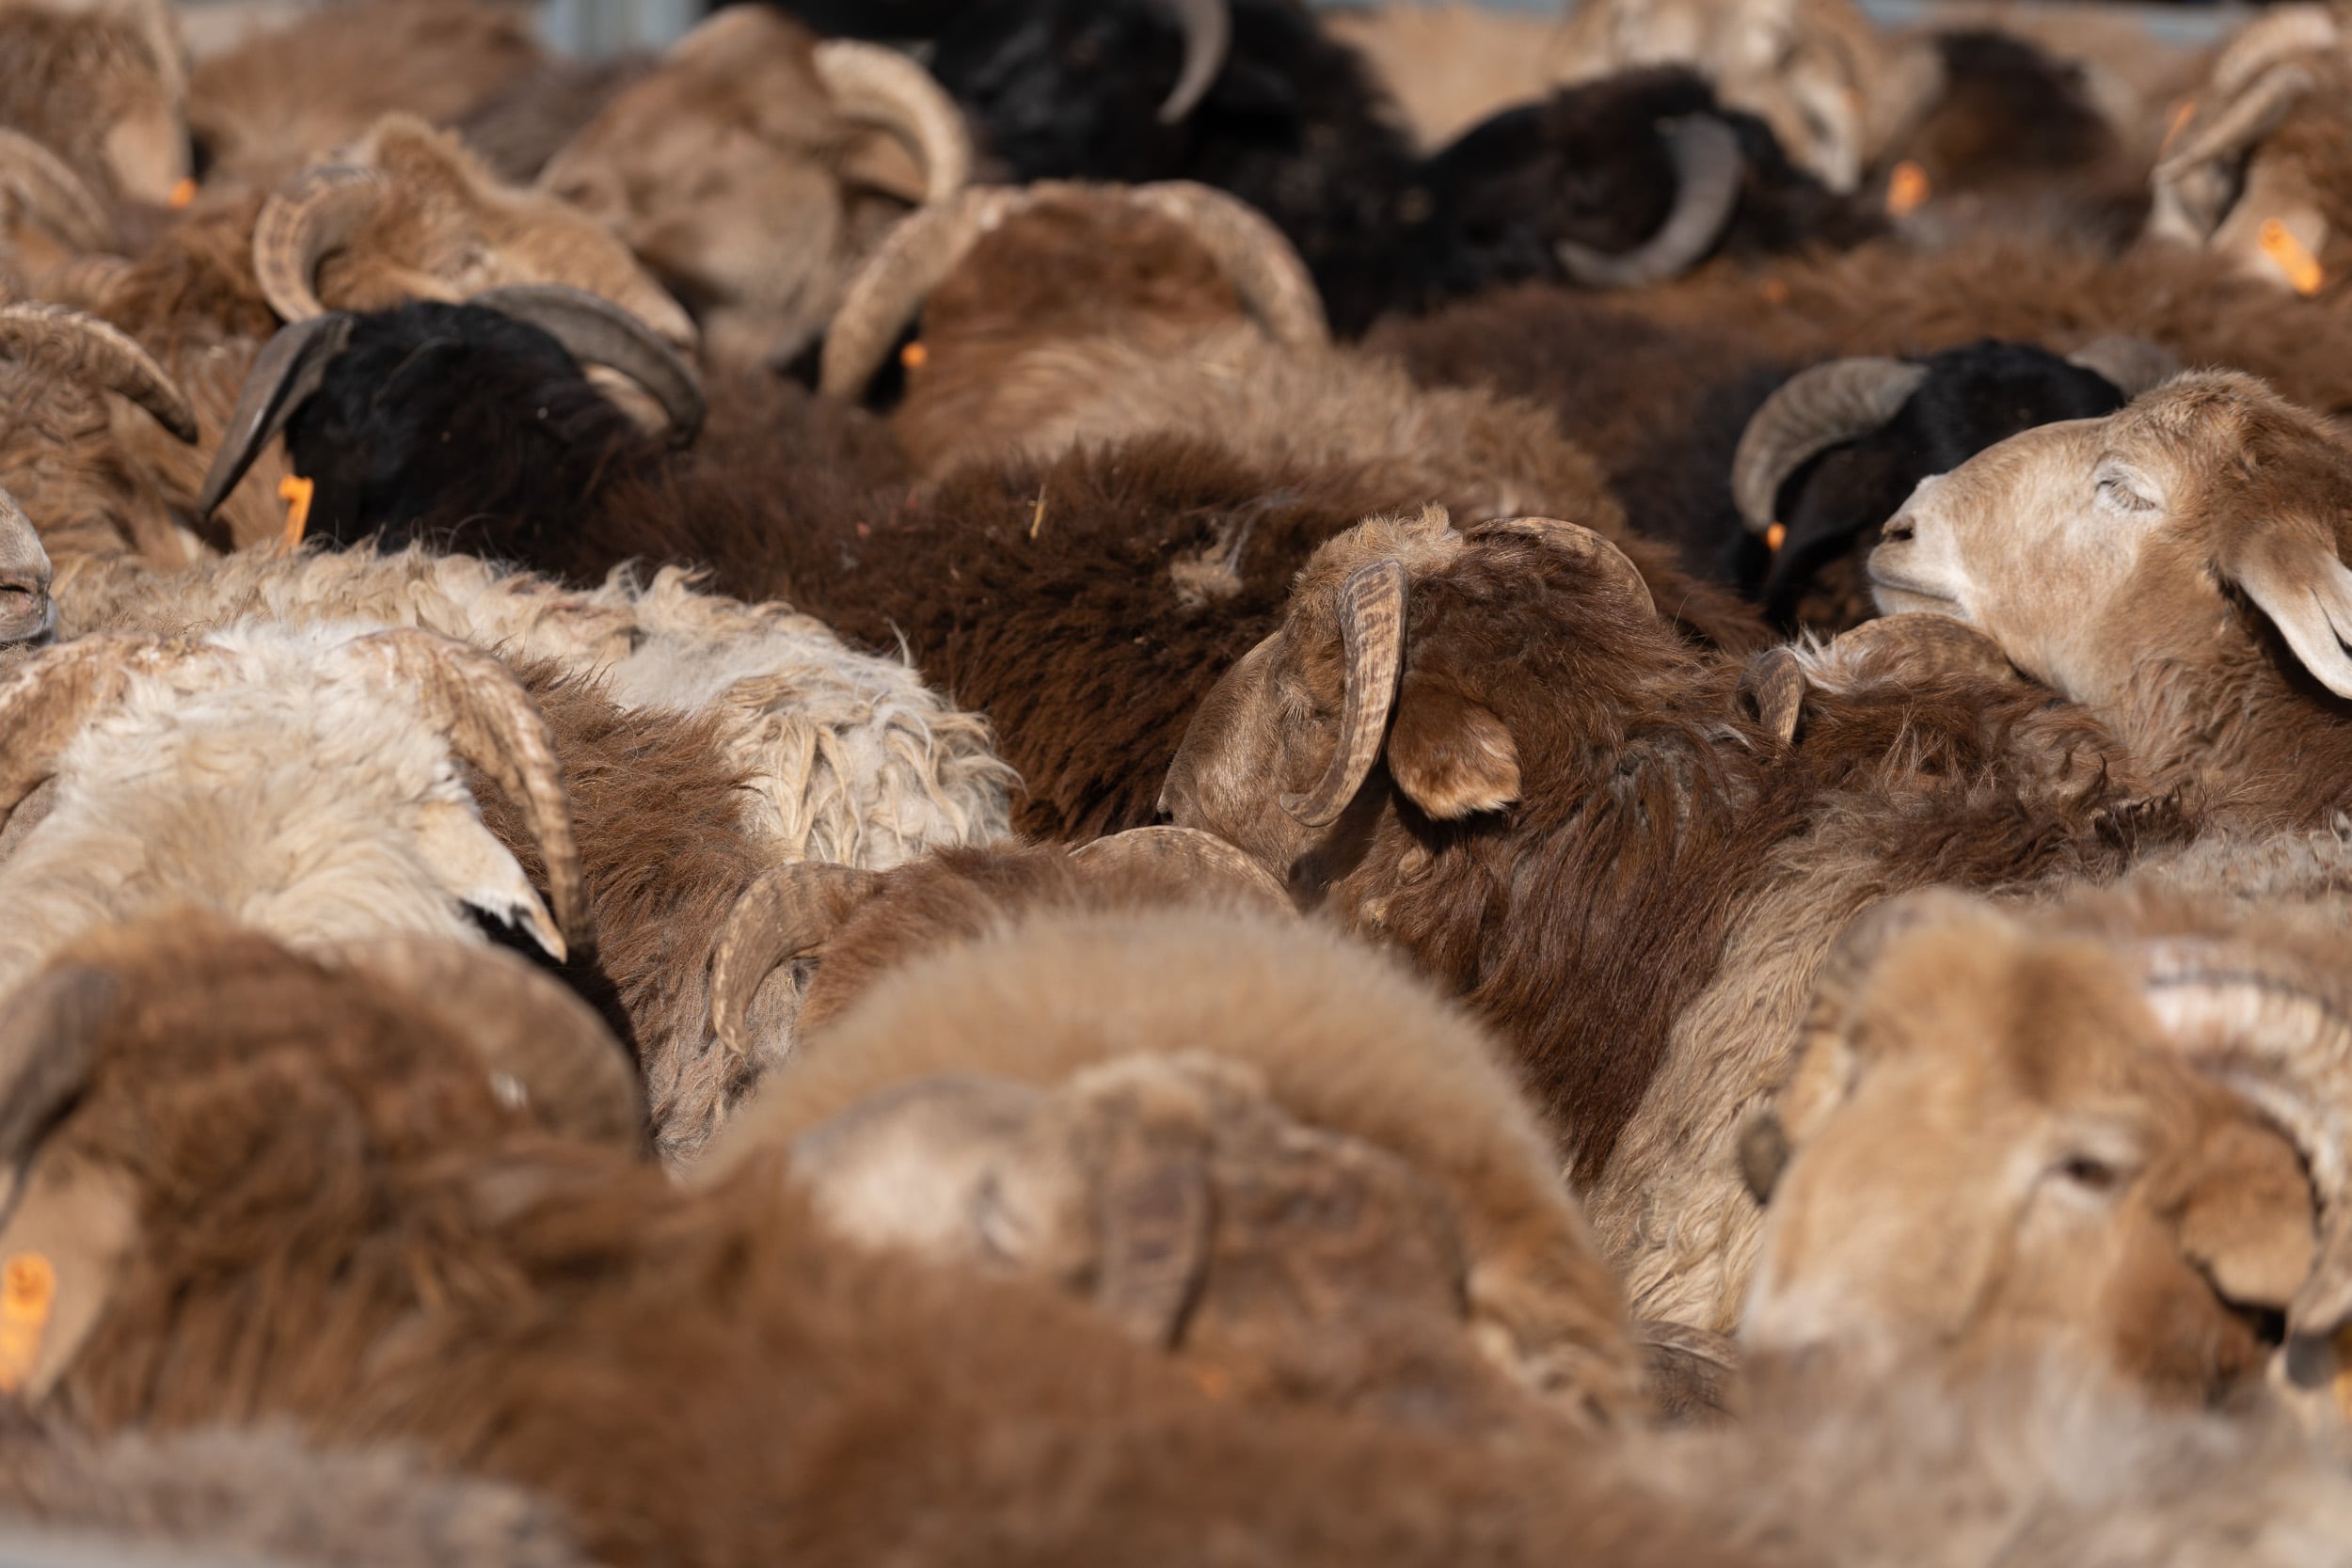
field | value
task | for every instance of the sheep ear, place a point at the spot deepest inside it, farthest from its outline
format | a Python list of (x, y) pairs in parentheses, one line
[(60, 1251), (2247, 1220), (2292, 572), (1450, 756), (474, 868)]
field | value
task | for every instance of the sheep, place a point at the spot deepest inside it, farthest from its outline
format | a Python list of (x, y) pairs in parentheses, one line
[(103, 88), (27, 613), (991, 940), (305, 779), (752, 172), (263, 1495), (694, 1377), (48, 214), (278, 102), (2175, 569), (1628, 856)]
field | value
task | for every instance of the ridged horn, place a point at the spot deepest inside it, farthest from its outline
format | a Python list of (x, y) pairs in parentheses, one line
[(105, 354), (2282, 1039), (891, 286), (1372, 634), (2274, 37), (2131, 365), (1813, 411), (883, 87), (55, 194), (595, 331), (1208, 29), (301, 225), (491, 723), (529, 1027), (786, 913), (2248, 117), (1707, 167), (1575, 539), (1274, 284), (289, 368), (1188, 855)]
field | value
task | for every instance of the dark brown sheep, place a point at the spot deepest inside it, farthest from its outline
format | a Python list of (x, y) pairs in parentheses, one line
[(324, 1214), (1628, 856)]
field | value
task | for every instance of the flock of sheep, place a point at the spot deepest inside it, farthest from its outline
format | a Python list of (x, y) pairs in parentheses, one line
[(1175, 781)]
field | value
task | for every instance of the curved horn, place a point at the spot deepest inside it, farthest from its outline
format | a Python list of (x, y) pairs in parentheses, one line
[(47, 700), (2131, 365), (1813, 411), (785, 913), (1913, 647), (1187, 855), (1576, 540), (883, 87), (55, 194), (2277, 1036), (298, 226), (2248, 117), (529, 1027), (491, 723), (595, 331), (291, 367), (1372, 631), (1274, 284), (1708, 166), (2274, 36), (106, 353), (1208, 37), (891, 286)]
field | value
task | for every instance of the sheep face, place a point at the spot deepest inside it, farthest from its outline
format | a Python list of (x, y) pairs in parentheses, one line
[(1995, 1154), (2091, 548)]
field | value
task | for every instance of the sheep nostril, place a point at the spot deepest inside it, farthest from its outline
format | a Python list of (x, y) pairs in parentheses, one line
[(21, 600), (1895, 532)]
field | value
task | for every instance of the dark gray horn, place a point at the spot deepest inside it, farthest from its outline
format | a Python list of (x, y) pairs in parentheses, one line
[(288, 370), (2131, 365), (1813, 411), (595, 331), (1708, 166), (1208, 36)]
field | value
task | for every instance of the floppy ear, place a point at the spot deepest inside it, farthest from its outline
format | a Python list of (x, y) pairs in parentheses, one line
[(2291, 570), (1450, 756), (2247, 1219)]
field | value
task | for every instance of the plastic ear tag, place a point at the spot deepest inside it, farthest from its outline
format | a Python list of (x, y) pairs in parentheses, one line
[(29, 1292), (296, 492), (1907, 189), (2182, 112), (1775, 536), (2290, 257), (182, 195), (913, 354)]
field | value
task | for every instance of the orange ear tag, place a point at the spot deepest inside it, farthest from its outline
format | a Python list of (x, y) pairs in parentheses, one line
[(2182, 112), (2289, 256), (28, 1288), (181, 194), (295, 493), (1906, 189), (913, 354), (1775, 536)]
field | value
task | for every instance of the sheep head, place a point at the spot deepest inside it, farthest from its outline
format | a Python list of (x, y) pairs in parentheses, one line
[(755, 169), (408, 214), (1994, 1148), (2093, 548)]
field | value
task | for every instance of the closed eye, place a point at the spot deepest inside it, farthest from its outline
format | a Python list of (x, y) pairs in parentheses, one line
[(2116, 493)]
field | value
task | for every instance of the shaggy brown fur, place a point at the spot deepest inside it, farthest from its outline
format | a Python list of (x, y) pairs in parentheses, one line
[(1653, 820), (266, 1496), (658, 815), (68, 78), (704, 1379)]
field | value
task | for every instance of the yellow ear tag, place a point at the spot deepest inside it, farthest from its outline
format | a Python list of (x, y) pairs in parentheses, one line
[(181, 194), (1906, 189), (295, 493), (2182, 112), (913, 354), (28, 1290), (1775, 536), (2289, 256)]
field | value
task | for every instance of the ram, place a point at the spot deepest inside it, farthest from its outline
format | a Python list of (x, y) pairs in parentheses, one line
[(1485, 748), (2198, 536), (694, 1377), (753, 171), (2110, 1134)]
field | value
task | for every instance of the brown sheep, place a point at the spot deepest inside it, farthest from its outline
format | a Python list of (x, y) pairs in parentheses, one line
[(702, 1378), (1627, 855)]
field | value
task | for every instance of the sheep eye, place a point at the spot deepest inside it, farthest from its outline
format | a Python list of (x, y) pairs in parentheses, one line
[(2091, 1176), (2116, 493)]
